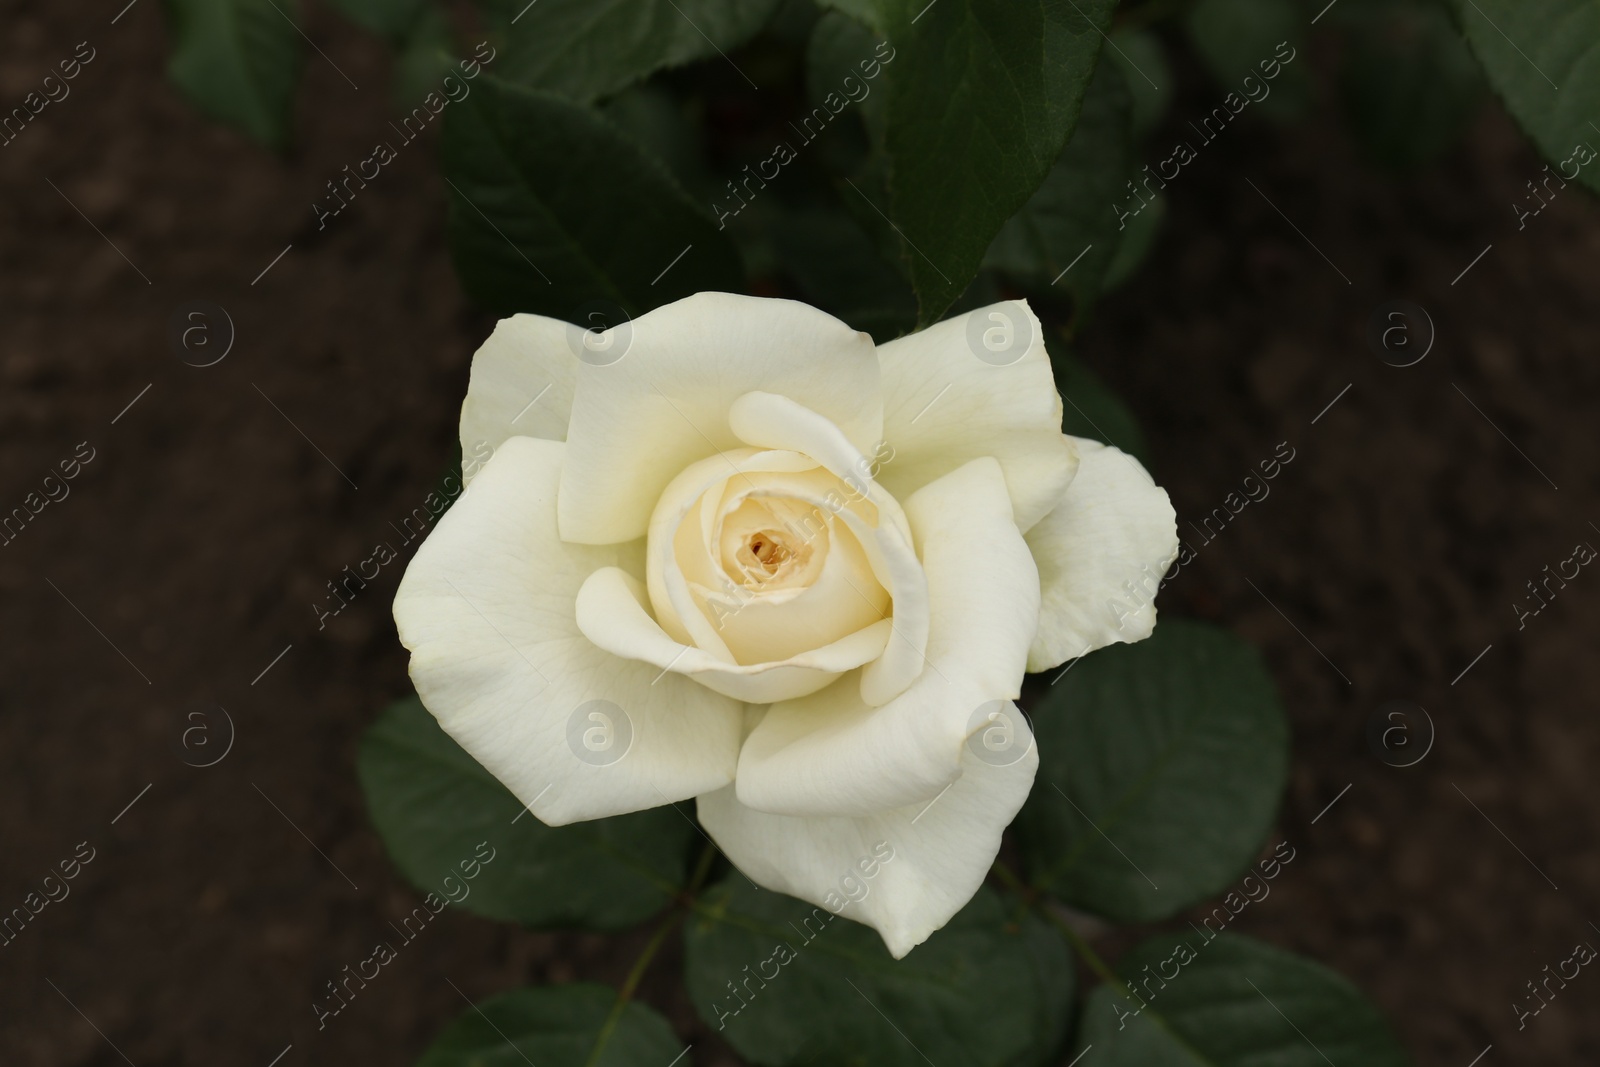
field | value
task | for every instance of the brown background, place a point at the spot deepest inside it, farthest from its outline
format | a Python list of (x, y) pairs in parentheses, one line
[(206, 526)]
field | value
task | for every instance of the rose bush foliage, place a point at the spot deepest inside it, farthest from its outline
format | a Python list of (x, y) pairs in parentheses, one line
[(801, 575)]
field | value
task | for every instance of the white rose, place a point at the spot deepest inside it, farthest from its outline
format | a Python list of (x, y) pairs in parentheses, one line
[(733, 551)]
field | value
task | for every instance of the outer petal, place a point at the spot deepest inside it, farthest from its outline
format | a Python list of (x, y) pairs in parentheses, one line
[(1101, 555), (831, 754), (942, 851), (521, 386), (487, 608), (943, 406), (664, 403), (611, 612)]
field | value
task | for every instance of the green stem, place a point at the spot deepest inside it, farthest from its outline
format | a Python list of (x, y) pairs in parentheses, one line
[(701, 869), (647, 955), (1090, 957)]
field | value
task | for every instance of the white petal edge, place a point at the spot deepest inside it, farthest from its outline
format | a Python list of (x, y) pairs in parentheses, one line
[(521, 385), (942, 851), (637, 422), (832, 754), (1101, 553), (488, 609), (943, 406)]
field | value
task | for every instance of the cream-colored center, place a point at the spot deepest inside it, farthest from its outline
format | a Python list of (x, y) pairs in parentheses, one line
[(767, 551), (771, 565), (773, 542)]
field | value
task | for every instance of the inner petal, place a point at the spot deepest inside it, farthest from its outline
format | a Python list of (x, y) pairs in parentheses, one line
[(678, 553), (763, 623), (771, 566), (769, 543)]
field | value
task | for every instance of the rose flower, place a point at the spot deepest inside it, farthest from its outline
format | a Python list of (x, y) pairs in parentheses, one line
[(732, 550)]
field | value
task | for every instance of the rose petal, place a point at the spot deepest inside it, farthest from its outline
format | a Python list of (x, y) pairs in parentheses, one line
[(1101, 555), (770, 421), (843, 595), (664, 403), (941, 854), (611, 612), (943, 405), (487, 608), (832, 754), (521, 386), (691, 500)]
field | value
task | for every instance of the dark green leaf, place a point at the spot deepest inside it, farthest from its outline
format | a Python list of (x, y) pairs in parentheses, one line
[(1239, 39), (1177, 748), (556, 1026), (846, 92), (983, 94), (1092, 409), (1232, 1002), (551, 208), (657, 121), (840, 271), (1143, 62), (1549, 78), (433, 804), (1410, 84), (1143, 227), (238, 61), (786, 983), (1066, 234), (587, 49), (863, 11), (424, 56), (392, 19)]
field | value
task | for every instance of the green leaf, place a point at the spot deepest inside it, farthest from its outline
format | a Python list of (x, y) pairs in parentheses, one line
[(554, 1025), (1143, 62), (786, 983), (863, 11), (839, 270), (983, 94), (657, 121), (587, 49), (1236, 37), (392, 19), (1143, 227), (1555, 46), (1093, 409), (551, 207), (1232, 1002), (433, 804), (1066, 235), (846, 92), (1177, 748), (238, 62), (1409, 83), (424, 56)]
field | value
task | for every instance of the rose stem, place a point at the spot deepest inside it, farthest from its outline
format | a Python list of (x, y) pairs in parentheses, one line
[(1090, 957), (630, 984)]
